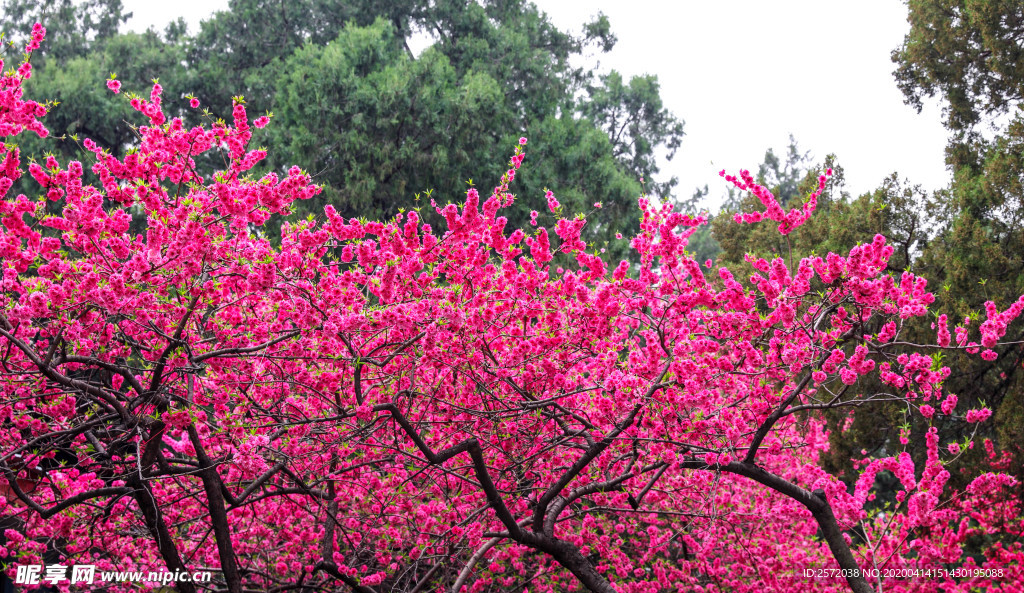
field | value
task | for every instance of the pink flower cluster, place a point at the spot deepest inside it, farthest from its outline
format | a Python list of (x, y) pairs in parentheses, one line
[(788, 221)]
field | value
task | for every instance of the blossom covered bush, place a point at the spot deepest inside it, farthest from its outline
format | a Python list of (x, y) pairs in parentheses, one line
[(382, 406)]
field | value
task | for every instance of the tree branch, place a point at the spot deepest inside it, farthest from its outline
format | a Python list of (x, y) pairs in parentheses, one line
[(549, 495)]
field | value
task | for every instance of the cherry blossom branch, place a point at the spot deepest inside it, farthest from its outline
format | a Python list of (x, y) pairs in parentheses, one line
[(815, 502), (226, 352), (214, 488), (592, 453), (154, 520), (50, 373), (780, 411)]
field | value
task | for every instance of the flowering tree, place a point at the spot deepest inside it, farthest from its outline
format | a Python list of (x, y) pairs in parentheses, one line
[(373, 406)]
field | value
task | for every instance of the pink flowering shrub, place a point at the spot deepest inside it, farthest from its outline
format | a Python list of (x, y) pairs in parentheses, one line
[(379, 406)]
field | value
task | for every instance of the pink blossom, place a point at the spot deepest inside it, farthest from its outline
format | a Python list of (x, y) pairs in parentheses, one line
[(949, 404), (978, 415)]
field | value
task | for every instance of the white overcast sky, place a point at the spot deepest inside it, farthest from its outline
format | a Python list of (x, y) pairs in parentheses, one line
[(746, 74)]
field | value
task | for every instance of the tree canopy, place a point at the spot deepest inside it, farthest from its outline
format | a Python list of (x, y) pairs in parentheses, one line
[(378, 406), (285, 337), (966, 51)]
